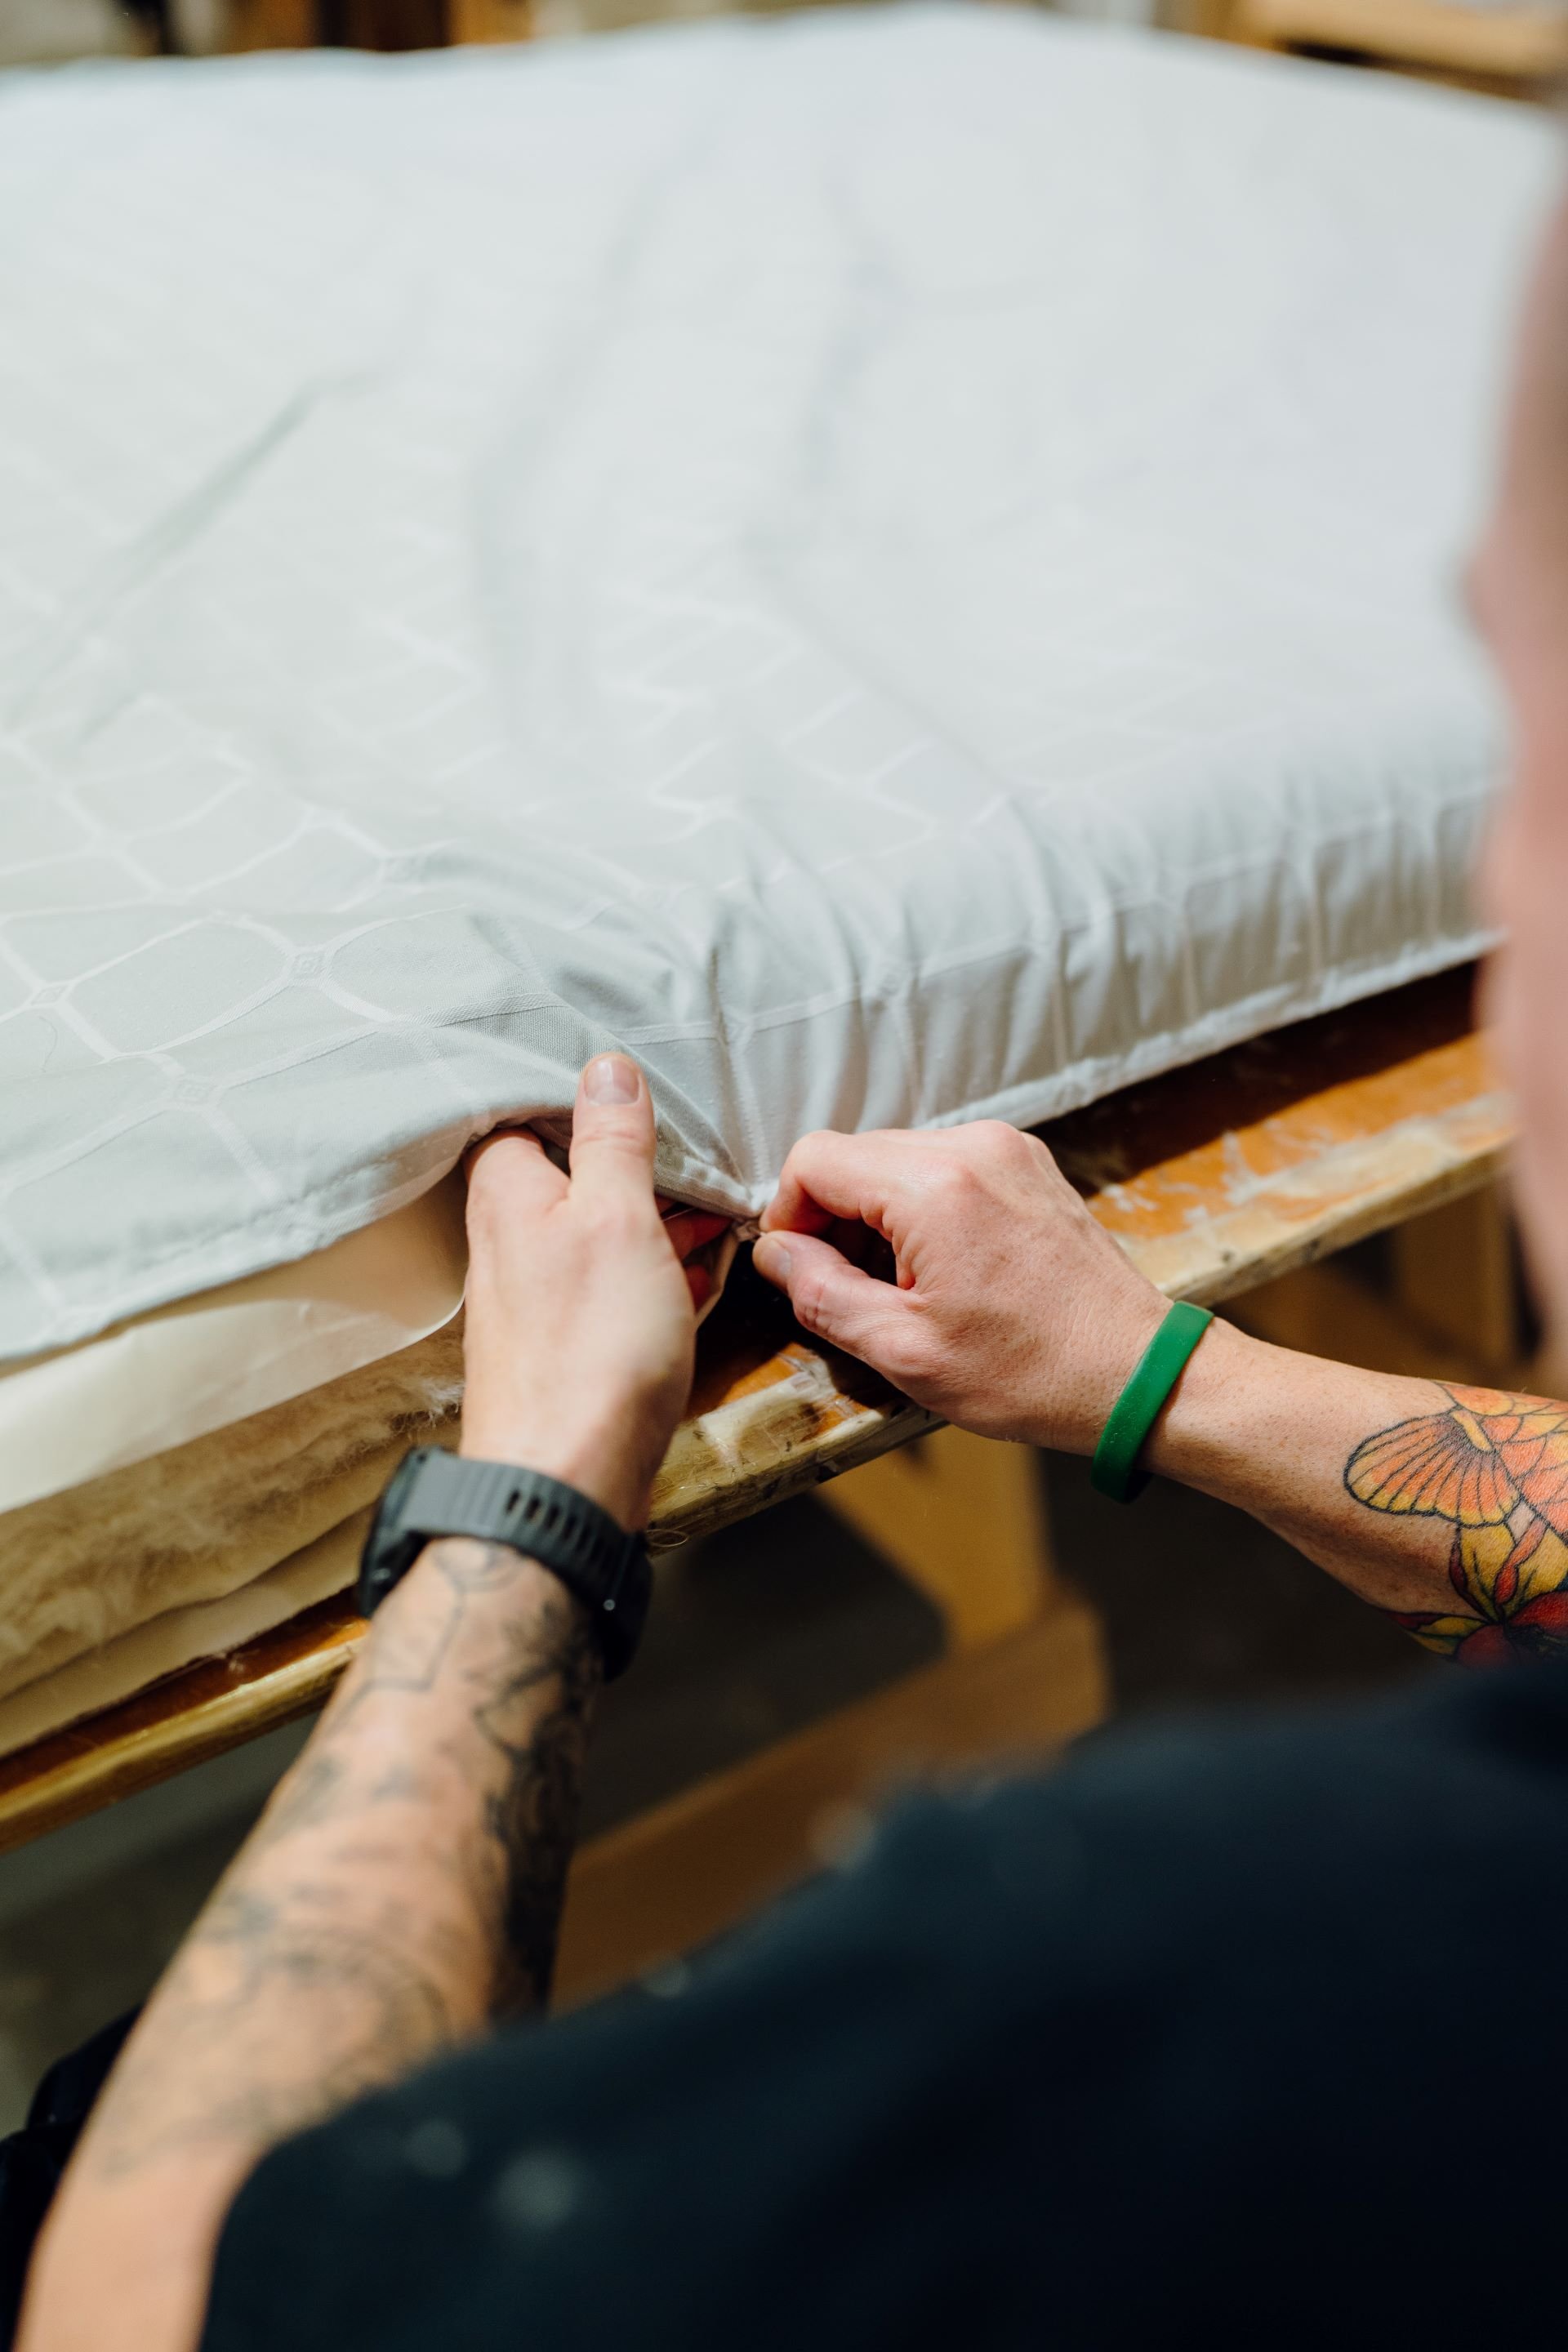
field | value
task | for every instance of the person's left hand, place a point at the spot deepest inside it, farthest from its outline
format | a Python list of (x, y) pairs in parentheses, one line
[(580, 1318)]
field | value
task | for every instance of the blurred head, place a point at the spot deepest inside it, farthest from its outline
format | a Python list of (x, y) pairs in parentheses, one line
[(1520, 591)]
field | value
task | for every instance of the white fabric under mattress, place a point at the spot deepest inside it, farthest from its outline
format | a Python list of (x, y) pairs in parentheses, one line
[(897, 565), (217, 1360)]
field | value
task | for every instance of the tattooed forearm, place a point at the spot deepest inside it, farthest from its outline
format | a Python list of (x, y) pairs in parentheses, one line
[(403, 1886), (530, 1819), (1494, 1467), (241, 2078), (1451, 1516)]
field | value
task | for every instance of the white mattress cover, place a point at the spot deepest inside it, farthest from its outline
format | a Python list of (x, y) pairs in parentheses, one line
[(897, 566)]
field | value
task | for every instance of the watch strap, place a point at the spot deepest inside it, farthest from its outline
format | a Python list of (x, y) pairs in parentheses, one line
[(1114, 1470), (433, 1493)]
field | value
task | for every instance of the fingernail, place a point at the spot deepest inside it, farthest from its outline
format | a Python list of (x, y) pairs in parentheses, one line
[(775, 1258), (611, 1079)]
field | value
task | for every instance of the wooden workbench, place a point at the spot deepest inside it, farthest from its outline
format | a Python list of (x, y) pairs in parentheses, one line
[(376, 24), (1216, 1179), (1510, 49)]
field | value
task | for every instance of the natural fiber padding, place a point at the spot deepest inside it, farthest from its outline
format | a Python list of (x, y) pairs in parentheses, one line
[(78, 1569)]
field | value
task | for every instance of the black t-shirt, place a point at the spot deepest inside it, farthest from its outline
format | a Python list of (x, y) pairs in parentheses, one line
[(1249, 2034)]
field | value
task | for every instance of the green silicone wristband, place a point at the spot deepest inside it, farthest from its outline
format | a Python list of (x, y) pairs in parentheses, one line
[(1114, 1470)]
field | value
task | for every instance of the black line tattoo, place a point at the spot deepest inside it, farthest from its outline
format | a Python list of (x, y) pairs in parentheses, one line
[(376, 2010), (310, 1978), (532, 1818)]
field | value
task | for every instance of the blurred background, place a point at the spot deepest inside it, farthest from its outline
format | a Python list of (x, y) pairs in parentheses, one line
[(1490, 43), (43, 31)]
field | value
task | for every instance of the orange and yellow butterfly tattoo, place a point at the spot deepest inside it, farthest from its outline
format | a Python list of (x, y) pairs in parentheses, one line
[(1496, 1467)]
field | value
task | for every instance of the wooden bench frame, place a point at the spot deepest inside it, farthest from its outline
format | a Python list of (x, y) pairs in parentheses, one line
[(1516, 48), (377, 24)]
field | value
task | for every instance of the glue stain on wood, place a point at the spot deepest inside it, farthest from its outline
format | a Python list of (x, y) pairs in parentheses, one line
[(787, 1426)]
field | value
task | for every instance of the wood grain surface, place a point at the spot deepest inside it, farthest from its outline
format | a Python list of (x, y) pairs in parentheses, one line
[(1216, 1178), (1528, 44)]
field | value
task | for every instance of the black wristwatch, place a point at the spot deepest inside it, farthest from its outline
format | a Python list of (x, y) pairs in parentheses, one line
[(433, 1493)]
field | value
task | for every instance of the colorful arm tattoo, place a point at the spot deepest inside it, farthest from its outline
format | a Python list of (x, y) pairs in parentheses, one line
[(1496, 1467)]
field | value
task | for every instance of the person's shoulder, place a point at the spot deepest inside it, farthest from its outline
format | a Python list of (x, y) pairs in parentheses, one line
[(1145, 1836)]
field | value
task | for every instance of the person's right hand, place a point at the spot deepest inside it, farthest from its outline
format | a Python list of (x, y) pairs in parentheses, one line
[(1014, 1313)]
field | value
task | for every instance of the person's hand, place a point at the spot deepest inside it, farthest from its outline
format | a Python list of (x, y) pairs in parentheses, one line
[(580, 1321), (1013, 1312)]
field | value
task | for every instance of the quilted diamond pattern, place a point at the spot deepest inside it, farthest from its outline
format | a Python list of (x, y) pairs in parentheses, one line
[(895, 565)]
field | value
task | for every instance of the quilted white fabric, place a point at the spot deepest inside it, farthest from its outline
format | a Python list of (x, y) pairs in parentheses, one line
[(897, 566)]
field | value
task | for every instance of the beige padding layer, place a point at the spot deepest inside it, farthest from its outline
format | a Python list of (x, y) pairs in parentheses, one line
[(158, 1542), (201, 1520), (149, 1385), (205, 1630)]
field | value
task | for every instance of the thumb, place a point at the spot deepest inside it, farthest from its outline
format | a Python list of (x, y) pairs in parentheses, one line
[(832, 1299), (612, 1131)]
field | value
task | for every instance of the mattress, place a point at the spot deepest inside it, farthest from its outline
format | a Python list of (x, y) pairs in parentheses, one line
[(896, 565)]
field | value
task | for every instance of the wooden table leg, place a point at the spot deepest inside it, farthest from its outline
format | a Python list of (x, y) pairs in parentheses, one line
[(274, 24), (490, 20), (382, 24), (964, 1519)]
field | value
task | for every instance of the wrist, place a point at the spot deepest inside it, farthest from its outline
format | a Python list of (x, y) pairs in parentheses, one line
[(1201, 1429), (598, 1463), (1084, 1383), (474, 1522)]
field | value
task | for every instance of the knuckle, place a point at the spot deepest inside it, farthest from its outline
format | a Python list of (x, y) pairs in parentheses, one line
[(810, 1299), (999, 1141), (953, 1178), (616, 1131), (808, 1147)]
